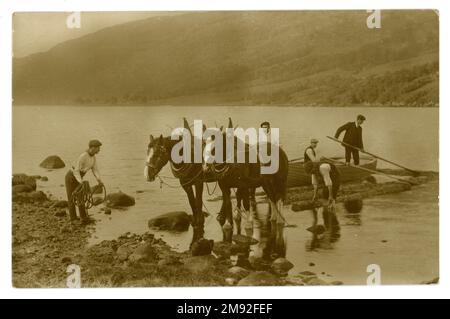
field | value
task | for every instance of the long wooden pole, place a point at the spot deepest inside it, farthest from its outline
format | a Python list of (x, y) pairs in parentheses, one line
[(376, 156), (372, 171)]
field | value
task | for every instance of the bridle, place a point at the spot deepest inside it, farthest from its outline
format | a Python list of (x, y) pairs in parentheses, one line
[(150, 165)]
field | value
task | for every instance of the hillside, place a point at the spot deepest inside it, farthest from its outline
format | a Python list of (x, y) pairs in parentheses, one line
[(247, 58)]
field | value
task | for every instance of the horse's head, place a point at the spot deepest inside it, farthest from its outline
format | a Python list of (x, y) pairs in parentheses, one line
[(158, 155)]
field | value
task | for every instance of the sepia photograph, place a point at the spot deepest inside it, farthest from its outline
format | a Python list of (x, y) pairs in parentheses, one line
[(225, 148)]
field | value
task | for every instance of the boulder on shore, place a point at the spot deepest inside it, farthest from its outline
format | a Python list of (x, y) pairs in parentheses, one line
[(200, 264), (202, 247), (22, 179), (119, 200), (52, 162), (260, 278), (143, 253), (173, 221), (16, 189), (60, 204), (34, 196), (281, 266)]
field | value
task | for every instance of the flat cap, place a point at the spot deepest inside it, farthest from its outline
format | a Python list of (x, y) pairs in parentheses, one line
[(94, 143), (314, 140)]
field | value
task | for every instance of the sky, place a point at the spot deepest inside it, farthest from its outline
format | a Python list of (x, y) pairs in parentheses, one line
[(40, 31)]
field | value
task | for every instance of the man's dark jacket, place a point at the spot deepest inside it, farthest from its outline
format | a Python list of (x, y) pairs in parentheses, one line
[(353, 134)]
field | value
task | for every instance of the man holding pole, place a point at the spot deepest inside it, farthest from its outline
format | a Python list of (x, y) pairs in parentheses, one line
[(352, 137)]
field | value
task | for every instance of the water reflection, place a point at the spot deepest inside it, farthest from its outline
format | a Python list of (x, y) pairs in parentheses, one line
[(353, 219), (269, 234), (323, 235)]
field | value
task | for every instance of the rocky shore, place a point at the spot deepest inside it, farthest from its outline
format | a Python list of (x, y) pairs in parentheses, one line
[(45, 243)]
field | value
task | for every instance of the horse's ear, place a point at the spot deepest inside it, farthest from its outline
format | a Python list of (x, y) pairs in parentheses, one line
[(151, 138), (230, 123), (221, 128), (161, 138), (186, 125), (204, 128)]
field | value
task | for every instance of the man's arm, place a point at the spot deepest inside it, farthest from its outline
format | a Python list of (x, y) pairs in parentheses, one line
[(311, 155), (340, 130), (96, 172), (325, 172), (361, 144), (77, 169)]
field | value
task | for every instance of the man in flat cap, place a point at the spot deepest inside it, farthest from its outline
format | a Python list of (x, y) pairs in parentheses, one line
[(353, 137), (74, 177), (310, 154)]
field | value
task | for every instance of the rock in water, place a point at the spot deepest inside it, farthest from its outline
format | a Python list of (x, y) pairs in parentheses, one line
[(52, 162), (119, 200), (174, 221), (281, 266), (22, 179), (305, 205), (202, 247), (353, 206), (259, 278)]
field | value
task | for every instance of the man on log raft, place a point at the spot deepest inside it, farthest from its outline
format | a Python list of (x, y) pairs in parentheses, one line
[(352, 136), (74, 177)]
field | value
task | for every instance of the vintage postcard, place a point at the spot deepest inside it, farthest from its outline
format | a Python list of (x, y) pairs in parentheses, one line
[(225, 148)]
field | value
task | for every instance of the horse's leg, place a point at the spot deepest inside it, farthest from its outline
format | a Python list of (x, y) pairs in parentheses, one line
[(191, 197), (199, 210), (227, 228), (237, 211)]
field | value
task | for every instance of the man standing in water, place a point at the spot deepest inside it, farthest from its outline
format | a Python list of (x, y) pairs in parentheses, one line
[(74, 177), (353, 137), (327, 174)]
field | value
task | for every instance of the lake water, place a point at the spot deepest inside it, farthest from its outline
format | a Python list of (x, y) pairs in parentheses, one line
[(405, 135)]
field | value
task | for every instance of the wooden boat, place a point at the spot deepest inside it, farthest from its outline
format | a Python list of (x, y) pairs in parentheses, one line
[(298, 177)]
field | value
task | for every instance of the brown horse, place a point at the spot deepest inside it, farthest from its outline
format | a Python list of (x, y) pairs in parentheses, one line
[(189, 175), (246, 177)]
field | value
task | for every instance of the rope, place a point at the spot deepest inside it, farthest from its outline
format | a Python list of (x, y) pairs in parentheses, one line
[(161, 180), (214, 190), (82, 195)]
